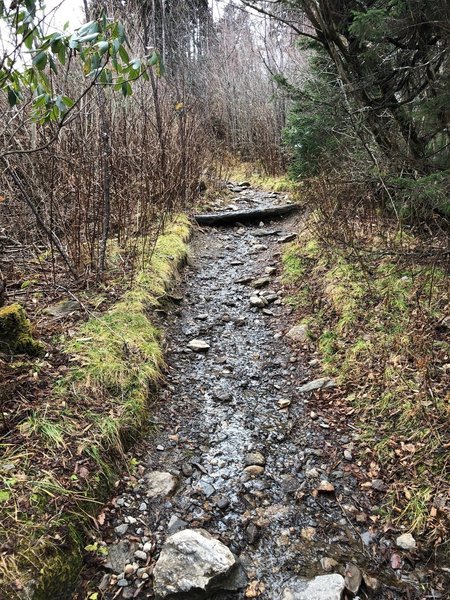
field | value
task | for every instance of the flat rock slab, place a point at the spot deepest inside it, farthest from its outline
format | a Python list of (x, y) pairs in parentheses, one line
[(317, 384), (323, 587), (192, 564), (198, 346)]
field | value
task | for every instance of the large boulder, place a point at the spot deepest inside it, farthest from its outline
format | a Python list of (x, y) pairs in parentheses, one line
[(323, 587), (192, 564)]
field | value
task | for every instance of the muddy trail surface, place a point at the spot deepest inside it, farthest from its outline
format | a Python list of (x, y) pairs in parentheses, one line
[(237, 450)]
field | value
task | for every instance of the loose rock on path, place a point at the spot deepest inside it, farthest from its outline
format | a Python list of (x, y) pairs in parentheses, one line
[(235, 492)]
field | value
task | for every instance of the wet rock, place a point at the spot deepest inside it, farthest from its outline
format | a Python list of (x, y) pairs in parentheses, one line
[(119, 555), (160, 483), (323, 587), (222, 396), (255, 458), (261, 282), (140, 555), (298, 333), (290, 237), (121, 530), (199, 345), (192, 561), (223, 503), (252, 533), (258, 301), (317, 384), (353, 578), (176, 524), (406, 541)]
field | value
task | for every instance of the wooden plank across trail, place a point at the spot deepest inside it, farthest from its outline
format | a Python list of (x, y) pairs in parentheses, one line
[(252, 214)]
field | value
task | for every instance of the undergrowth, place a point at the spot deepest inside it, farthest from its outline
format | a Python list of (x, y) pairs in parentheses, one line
[(378, 320), (61, 460)]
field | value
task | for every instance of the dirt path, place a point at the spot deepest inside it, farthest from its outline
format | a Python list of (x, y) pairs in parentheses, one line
[(251, 461)]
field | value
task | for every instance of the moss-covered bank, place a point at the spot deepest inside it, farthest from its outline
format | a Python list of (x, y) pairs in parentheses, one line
[(79, 434), (377, 321)]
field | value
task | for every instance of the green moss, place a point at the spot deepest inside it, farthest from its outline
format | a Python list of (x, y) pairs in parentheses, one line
[(374, 322), (97, 409), (16, 332)]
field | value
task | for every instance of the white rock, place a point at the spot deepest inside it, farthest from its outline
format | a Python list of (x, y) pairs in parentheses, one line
[(323, 587), (192, 560), (317, 384), (406, 541), (160, 484), (199, 345), (298, 333)]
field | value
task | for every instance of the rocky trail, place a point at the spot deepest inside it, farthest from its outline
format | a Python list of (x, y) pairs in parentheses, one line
[(245, 488)]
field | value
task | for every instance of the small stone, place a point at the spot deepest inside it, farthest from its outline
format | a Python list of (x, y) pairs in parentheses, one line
[(348, 455), (258, 301), (261, 282), (313, 415), (147, 547), (140, 555), (254, 470), (222, 395), (312, 473), (406, 541), (353, 578), (123, 583), (328, 564), (121, 529), (199, 345), (325, 486), (202, 316), (176, 524), (270, 270), (142, 506), (284, 403), (255, 458), (160, 483), (371, 582), (299, 333), (223, 503), (377, 484), (129, 569)]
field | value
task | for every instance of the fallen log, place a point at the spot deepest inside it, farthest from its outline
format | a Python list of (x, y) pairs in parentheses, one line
[(241, 216)]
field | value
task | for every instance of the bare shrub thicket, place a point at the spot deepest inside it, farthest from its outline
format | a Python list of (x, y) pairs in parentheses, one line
[(244, 105), (115, 169)]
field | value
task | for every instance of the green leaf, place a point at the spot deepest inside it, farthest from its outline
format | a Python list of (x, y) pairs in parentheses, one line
[(12, 97), (103, 46), (123, 54), (40, 60)]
